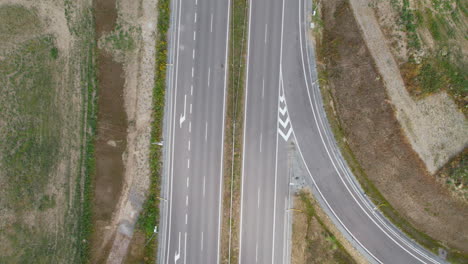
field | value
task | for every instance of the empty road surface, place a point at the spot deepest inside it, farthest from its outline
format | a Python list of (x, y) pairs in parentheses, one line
[(283, 107), (355, 215), (193, 147), (266, 131)]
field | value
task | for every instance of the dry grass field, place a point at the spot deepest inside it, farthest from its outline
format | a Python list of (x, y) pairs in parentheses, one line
[(46, 114)]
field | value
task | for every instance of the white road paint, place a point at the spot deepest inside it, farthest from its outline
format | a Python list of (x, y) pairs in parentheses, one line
[(173, 137), (211, 23), (243, 139), (201, 246), (222, 133), (188, 182), (284, 123), (258, 197), (182, 116), (190, 108), (191, 89), (190, 126), (263, 88), (186, 200), (189, 144), (256, 253), (195, 19), (192, 71), (206, 131), (186, 218), (188, 163), (194, 35), (177, 254), (261, 139), (283, 113), (285, 231), (277, 127), (185, 248), (209, 72), (204, 181), (193, 54), (266, 32)]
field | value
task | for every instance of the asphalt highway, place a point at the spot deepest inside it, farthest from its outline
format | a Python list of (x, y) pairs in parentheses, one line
[(333, 182), (266, 131), (193, 143), (283, 107)]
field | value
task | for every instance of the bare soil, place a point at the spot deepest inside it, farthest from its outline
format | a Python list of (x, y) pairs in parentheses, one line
[(111, 135), (127, 80), (374, 135)]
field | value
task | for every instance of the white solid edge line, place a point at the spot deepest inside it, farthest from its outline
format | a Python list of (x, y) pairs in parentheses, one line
[(378, 218), (243, 137), (280, 80), (173, 134), (222, 131), (162, 248), (336, 169)]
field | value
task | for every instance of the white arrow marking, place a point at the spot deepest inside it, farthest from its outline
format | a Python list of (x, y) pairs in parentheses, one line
[(182, 116), (285, 137), (177, 255), (284, 124)]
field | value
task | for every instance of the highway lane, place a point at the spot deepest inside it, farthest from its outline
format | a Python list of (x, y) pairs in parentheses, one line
[(190, 219), (264, 194), (352, 211)]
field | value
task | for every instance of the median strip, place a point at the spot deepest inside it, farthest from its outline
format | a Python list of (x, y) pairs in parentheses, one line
[(233, 133)]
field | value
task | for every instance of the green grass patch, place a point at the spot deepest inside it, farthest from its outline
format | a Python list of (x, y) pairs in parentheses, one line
[(35, 134), (437, 73), (17, 21), (149, 217), (408, 21), (31, 134)]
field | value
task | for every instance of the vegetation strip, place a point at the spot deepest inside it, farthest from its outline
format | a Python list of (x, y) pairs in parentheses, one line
[(312, 239), (233, 132), (85, 225), (149, 217)]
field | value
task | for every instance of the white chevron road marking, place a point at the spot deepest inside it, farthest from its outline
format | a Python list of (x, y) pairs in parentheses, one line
[(284, 129)]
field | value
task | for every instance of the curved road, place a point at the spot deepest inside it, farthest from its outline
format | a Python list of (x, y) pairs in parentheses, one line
[(333, 182), (283, 106)]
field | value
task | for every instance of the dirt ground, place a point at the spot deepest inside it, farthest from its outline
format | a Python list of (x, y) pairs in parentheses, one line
[(46, 76), (432, 61), (126, 45), (374, 135), (423, 65), (312, 242)]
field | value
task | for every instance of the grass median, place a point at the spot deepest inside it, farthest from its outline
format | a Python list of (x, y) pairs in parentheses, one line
[(233, 132)]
